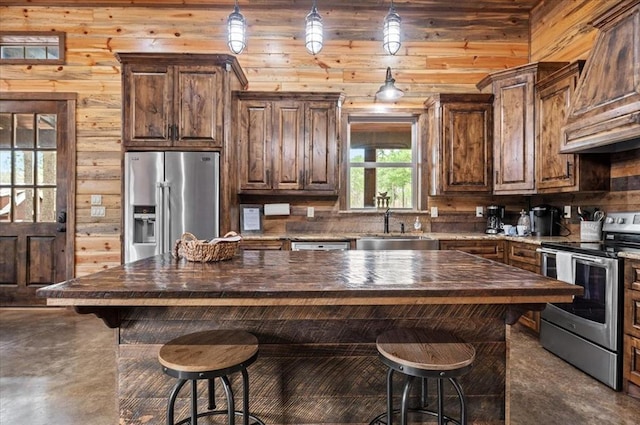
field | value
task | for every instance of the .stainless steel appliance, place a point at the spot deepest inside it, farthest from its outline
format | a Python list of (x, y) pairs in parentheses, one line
[(167, 194), (545, 221), (495, 215), (320, 246), (588, 332)]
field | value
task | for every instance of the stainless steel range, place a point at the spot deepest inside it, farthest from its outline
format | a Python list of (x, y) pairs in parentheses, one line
[(588, 332)]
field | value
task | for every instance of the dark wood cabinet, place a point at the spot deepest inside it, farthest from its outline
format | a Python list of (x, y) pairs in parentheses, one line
[(631, 353), (556, 172), (460, 143), (525, 256), (176, 100), (265, 245), (493, 250), (514, 125), (288, 143)]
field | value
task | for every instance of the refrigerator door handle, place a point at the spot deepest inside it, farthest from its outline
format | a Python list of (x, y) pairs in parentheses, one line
[(166, 188), (160, 220)]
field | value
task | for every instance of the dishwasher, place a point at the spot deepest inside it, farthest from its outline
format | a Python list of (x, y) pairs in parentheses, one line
[(321, 246)]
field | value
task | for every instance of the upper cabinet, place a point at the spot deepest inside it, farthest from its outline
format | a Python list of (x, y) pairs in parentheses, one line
[(605, 114), (176, 100), (288, 142), (460, 143), (556, 172), (514, 132)]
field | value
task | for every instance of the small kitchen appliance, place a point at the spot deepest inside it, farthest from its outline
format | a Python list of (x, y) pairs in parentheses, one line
[(545, 221), (495, 215), (588, 331)]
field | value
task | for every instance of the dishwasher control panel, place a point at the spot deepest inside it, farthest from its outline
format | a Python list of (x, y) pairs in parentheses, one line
[(320, 246)]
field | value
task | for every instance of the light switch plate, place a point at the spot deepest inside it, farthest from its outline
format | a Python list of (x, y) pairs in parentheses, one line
[(567, 211), (97, 211), (311, 212), (479, 211), (434, 212), (96, 199)]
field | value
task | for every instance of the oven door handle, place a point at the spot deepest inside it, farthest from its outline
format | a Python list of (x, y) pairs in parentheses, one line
[(547, 251), (588, 258)]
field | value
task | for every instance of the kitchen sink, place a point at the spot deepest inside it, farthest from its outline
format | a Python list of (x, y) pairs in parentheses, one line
[(396, 242)]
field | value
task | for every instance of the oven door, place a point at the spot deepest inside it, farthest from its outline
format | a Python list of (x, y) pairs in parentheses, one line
[(595, 315)]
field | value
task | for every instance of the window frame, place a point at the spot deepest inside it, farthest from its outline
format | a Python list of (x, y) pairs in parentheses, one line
[(414, 120), (26, 34)]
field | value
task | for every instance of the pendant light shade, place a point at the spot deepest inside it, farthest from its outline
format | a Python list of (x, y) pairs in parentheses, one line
[(236, 31), (391, 31), (388, 91), (313, 31)]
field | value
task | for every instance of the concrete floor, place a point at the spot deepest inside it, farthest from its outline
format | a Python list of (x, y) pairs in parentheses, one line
[(58, 367)]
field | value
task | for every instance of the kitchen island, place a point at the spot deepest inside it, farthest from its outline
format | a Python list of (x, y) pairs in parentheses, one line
[(316, 315)]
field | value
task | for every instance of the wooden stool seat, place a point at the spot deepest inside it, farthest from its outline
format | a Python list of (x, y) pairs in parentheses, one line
[(209, 355), (424, 354)]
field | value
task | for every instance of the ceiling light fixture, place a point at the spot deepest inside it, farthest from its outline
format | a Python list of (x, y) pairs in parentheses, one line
[(236, 31), (388, 91), (313, 31), (391, 31)]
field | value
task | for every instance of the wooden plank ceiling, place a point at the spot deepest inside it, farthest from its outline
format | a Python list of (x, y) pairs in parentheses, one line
[(447, 46)]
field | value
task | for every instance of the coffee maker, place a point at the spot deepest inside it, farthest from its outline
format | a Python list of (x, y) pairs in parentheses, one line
[(545, 220), (495, 215)]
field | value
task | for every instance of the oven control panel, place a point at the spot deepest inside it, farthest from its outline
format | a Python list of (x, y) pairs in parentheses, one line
[(622, 222)]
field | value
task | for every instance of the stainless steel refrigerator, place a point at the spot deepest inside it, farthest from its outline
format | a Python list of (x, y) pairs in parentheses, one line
[(167, 194)]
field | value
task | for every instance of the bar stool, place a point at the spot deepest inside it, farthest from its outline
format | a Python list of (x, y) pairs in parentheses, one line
[(209, 355), (423, 354)]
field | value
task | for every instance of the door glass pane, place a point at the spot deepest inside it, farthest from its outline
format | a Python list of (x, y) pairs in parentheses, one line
[(5, 130), (47, 130), (23, 167), (46, 205), (23, 199), (5, 167), (24, 131), (5, 204), (46, 167)]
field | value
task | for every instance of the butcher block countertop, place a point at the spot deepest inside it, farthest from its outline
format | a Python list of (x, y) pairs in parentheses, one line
[(312, 278)]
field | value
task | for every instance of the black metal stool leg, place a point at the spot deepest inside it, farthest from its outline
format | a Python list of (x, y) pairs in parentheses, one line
[(463, 407), (231, 405), (172, 400), (212, 394), (390, 397), (424, 393), (440, 403), (245, 397), (194, 402), (405, 400)]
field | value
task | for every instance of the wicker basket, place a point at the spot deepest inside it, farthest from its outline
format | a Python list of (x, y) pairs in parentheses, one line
[(189, 247)]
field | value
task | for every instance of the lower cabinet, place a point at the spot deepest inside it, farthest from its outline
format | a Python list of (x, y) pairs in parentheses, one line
[(264, 245), (525, 256), (631, 354), (493, 250)]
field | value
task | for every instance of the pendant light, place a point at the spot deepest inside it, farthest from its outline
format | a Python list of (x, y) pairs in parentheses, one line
[(391, 31), (236, 31), (313, 31), (388, 91)]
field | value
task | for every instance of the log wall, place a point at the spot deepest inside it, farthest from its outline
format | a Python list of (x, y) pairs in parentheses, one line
[(443, 50)]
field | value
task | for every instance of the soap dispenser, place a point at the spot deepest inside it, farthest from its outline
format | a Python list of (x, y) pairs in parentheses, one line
[(417, 225)]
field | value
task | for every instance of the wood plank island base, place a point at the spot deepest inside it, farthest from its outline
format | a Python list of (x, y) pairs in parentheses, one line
[(316, 316)]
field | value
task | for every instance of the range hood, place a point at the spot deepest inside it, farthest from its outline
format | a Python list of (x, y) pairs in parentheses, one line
[(605, 113)]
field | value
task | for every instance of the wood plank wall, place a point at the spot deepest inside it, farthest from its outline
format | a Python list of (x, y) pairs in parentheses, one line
[(443, 50)]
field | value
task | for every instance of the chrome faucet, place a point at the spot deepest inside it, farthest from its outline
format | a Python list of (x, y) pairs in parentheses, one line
[(386, 220)]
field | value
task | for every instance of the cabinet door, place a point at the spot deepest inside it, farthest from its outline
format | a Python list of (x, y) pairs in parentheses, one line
[(467, 147), (514, 134), (288, 145), (147, 106), (254, 138), (553, 169), (198, 105), (493, 250), (321, 147)]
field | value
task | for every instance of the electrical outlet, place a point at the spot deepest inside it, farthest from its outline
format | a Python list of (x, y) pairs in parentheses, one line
[(96, 199), (97, 211), (311, 212), (567, 211), (434, 212), (479, 211)]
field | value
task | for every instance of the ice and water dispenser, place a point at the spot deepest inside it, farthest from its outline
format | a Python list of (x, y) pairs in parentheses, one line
[(144, 224)]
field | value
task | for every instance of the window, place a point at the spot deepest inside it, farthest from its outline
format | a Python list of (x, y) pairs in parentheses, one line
[(32, 47), (383, 162)]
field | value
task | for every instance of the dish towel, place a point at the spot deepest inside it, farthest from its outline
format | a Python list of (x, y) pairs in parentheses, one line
[(564, 267)]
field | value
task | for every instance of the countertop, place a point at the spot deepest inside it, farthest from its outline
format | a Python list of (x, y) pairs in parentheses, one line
[(312, 278)]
